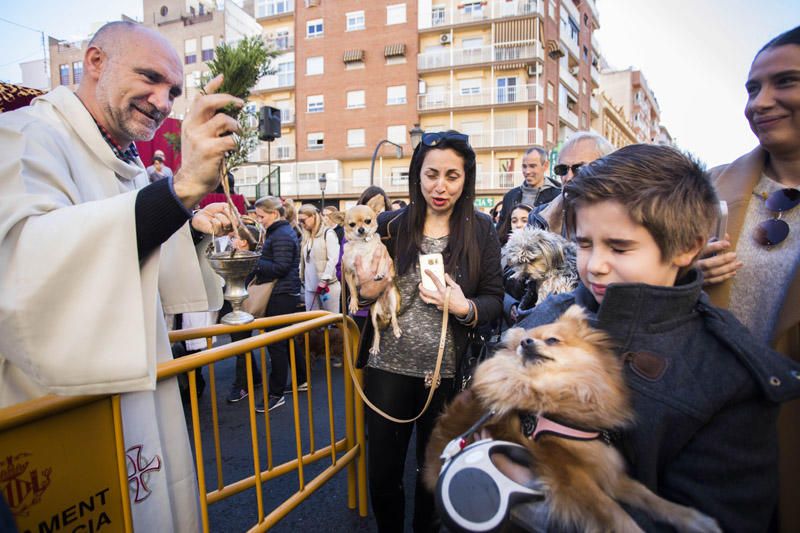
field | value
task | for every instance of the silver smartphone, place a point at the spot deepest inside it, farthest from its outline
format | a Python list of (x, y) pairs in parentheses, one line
[(434, 263), (722, 221)]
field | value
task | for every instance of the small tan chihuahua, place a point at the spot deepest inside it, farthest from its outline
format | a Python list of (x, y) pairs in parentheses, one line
[(361, 230)]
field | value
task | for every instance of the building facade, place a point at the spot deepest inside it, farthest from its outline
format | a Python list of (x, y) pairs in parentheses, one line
[(354, 78), (629, 89)]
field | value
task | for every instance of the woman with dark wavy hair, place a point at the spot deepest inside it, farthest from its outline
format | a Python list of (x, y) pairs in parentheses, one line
[(440, 218)]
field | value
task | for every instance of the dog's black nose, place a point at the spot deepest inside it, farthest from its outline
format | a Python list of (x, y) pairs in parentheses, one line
[(361, 230), (528, 347)]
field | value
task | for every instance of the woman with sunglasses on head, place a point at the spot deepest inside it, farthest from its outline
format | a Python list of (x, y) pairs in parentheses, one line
[(440, 218), (319, 253), (756, 270)]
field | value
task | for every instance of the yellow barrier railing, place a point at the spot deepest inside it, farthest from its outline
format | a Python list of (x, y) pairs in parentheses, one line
[(353, 444), (23, 424)]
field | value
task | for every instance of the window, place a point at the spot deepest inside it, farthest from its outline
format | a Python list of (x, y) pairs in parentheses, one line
[(437, 16), (63, 74), (472, 43), (506, 90), (355, 138), (193, 79), (316, 141), (77, 71), (552, 10), (399, 175), (472, 8), (360, 176), (550, 91), (396, 134), (315, 104), (314, 28), (269, 8), (574, 30), (354, 65), (396, 95), (355, 99), (549, 132), (469, 86), (286, 74), (190, 51), (355, 20), (207, 46), (315, 65), (282, 41), (396, 14)]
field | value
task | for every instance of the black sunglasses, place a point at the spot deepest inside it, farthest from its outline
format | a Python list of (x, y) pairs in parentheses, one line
[(774, 231), (561, 170), (432, 139)]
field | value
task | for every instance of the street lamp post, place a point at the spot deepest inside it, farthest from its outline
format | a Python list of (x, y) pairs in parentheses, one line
[(323, 182), (399, 152), (416, 134)]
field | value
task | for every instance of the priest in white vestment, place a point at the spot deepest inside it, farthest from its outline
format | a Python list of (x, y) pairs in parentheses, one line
[(91, 256)]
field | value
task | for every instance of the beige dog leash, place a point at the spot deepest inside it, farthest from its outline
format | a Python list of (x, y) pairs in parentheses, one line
[(436, 371)]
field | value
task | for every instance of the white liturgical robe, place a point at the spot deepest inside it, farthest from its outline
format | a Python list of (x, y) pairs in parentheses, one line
[(79, 313)]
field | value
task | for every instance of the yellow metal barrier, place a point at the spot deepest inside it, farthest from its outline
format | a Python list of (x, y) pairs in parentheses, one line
[(100, 416)]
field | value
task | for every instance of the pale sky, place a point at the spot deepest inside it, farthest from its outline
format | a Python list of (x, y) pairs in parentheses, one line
[(695, 54)]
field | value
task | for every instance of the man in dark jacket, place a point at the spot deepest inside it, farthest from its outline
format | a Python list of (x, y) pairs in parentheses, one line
[(535, 190)]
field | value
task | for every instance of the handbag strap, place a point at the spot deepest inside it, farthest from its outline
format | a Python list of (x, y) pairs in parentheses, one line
[(436, 370)]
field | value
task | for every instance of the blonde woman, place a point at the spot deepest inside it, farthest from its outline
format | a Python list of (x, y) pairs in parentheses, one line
[(319, 254)]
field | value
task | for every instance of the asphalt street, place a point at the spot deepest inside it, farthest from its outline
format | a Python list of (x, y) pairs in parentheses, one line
[(326, 508)]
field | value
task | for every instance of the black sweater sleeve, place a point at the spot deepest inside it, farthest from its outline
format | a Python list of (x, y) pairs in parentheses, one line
[(159, 214)]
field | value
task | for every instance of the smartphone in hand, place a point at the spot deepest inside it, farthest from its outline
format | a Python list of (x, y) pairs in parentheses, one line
[(722, 221), (434, 263)]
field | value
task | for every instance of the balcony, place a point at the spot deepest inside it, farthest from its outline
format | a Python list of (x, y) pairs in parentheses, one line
[(568, 116), (570, 81), (506, 138), (280, 151), (454, 57), (273, 8), (487, 96), (282, 80), (497, 9), (287, 116), (282, 42), (595, 73)]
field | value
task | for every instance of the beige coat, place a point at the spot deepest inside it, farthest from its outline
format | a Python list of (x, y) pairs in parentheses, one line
[(735, 183), (79, 313)]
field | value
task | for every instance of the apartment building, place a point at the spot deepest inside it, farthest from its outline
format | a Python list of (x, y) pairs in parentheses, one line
[(629, 89), (612, 124), (346, 80), (66, 62)]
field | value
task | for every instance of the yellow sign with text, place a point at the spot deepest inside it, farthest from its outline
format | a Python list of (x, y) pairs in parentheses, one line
[(61, 472)]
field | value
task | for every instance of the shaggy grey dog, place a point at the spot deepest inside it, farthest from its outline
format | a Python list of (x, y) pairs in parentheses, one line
[(544, 257)]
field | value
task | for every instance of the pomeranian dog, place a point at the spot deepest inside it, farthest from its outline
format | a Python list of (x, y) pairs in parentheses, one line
[(559, 390), (544, 257), (361, 230)]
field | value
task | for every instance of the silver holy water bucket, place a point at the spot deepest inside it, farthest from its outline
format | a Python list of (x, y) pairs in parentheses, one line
[(234, 270)]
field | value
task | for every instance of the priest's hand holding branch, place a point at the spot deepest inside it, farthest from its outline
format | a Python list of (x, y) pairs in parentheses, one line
[(205, 140)]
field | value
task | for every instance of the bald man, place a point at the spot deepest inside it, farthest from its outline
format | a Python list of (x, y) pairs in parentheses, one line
[(92, 255)]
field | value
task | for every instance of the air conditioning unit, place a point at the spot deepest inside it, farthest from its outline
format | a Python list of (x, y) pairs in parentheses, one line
[(445, 38), (534, 70), (574, 70)]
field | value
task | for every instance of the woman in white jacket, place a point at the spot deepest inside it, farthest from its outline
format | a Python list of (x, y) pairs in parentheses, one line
[(319, 254)]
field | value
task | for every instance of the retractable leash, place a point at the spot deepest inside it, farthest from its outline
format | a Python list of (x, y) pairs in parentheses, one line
[(472, 494)]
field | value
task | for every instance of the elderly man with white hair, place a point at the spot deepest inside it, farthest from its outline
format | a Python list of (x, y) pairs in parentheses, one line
[(581, 148)]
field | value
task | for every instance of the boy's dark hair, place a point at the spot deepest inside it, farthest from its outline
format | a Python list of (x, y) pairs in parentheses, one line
[(664, 190), (788, 37)]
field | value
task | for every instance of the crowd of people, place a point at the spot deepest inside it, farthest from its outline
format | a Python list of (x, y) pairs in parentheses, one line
[(709, 329)]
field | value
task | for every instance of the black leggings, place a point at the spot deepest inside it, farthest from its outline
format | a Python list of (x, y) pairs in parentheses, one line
[(401, 397), (279, 304)]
